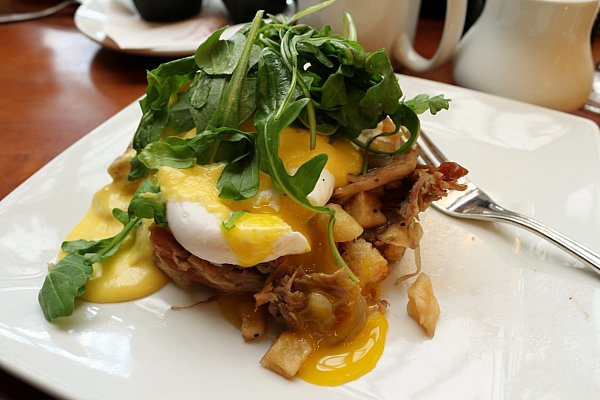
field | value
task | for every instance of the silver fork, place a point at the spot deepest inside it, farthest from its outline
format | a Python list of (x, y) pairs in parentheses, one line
[(474, 203)]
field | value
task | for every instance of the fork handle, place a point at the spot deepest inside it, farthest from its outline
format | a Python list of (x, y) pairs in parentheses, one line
[(579, 251)]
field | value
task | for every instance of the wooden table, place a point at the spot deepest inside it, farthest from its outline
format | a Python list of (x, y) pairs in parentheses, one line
[(57, 85)]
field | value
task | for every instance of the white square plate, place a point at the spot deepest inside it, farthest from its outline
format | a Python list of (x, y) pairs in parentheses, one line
[(520, 319)]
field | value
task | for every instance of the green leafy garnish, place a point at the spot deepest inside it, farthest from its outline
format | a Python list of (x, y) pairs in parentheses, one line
[(230, 222), (424, 102)]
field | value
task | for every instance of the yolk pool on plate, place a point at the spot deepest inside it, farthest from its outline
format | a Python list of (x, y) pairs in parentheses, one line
[(347, 361)]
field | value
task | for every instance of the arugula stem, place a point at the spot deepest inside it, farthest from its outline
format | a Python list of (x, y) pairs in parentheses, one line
[(310, 110), (290, 94), (116, 241), (311, 9)]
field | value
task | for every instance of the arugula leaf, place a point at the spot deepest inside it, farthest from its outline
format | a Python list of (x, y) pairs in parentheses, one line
[(163, 83), (240, 178), (205, 95), (227, 114), (146, 204), (334, 91), (424, 102), (161, 154), (221, 57), (296, 186), (299, 185), (180, 117), (65, 281), (137, 169)]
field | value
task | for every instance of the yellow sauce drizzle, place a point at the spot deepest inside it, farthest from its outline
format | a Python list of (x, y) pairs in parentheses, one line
[(131, 273)]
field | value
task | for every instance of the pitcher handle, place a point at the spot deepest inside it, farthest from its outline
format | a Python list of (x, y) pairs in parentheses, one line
[(404, 51)]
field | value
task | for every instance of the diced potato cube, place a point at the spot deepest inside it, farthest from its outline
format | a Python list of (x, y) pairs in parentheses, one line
[(119, 168), (402, 235), (253, 321), (422, 304), (393, 252), (365, 208), (287, 354), (345, 227), (365, 261)]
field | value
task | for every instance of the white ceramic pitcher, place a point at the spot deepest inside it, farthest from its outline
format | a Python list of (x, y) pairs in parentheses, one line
[(537, 51), (391, 24)]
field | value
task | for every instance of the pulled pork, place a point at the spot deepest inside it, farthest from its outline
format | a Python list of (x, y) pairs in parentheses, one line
[(316, 302), (181, 266)]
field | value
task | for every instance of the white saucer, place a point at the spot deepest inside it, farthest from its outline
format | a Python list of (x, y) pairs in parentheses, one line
[(90, 18)]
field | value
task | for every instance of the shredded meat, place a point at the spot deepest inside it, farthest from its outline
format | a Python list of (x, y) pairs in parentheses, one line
[(224, 278), (398, 168), (431, 184), (288, 292), (403, 200)]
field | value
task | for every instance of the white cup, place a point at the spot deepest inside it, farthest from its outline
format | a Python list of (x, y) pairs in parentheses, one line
[(536, 51), (391, 24)]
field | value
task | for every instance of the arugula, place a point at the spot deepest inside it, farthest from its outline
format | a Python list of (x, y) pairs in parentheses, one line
[(163, 83), (230, 222), (347, 90), (284, 73), (423, 102), (67, 279)]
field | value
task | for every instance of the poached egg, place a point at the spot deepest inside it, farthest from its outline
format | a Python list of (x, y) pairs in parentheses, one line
[(271, 225)]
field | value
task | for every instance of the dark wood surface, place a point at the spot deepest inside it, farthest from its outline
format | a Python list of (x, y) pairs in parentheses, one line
[(57, 85)]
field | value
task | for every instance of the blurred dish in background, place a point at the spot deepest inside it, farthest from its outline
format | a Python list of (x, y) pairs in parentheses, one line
[(97, 18), (541, 52), (391, 25), (244, 10), (167, 11)]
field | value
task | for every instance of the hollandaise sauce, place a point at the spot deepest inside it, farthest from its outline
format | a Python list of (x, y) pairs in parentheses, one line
[(131, 273)]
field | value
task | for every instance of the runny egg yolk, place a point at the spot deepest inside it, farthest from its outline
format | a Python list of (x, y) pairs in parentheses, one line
[(131, 273), (349, 360), (342, 158)]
